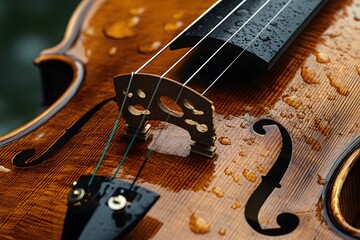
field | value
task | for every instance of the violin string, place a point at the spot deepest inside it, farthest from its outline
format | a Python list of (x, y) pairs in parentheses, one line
[(151, 148), (178, 36), (137, 132), (202, 39), (224, 44), (248, 45), (167, 71), (150, 60), (112, 133), (183, 85)]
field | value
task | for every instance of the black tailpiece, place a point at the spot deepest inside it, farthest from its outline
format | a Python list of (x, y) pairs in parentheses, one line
[(108, 209)]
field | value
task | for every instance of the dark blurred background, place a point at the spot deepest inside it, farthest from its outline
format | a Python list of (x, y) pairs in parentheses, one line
[(26, 27)]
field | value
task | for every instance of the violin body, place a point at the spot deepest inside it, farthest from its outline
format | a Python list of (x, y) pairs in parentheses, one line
[(303, 114)]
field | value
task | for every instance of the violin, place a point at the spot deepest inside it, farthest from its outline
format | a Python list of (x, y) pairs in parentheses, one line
[(192, 120)]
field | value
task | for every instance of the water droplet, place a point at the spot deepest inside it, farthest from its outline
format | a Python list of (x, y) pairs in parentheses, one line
[(319, 209), (315, 145), (249, 175), (286, 115), (239, 23), (322, 57), (173, 26), (4, 169), (224, 141), (334, 35), (198, 225), (294, 89), (320, 180), (292, 101), (148, 48), (242, 154), (331, 97), (267, 110), (217, 192), (300, 115), (119, 30), (178, 15), (222, 232), (236, 178), (338, 85), (132, 22), (264, 38), (40, 136), (308, 75), (228, 172), (248, 109), (244, 124), (90, 31), (261, 169), (248, 39), (323, 126), (88, 53), (137, 11), (236, 205), (249, 141), (112, 51), (242, 12), (229, 30)]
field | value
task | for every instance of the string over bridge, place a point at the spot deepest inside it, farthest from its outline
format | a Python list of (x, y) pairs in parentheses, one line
[(152, 98)]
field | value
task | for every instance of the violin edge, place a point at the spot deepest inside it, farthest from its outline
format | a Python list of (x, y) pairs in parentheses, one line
[(57, 54)]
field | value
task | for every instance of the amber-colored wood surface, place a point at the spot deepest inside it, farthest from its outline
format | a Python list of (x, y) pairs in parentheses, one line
[(313, 91)]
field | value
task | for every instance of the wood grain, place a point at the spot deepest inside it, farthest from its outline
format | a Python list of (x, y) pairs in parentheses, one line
[(322, 118)]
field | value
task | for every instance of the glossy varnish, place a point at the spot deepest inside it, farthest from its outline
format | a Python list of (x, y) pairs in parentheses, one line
[(313, 91)]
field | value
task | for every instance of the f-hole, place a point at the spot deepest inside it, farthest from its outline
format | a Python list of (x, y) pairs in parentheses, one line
[(22, 159), (287, 221)]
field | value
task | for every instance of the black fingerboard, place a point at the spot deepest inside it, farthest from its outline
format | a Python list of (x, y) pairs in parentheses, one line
[(267, 48)]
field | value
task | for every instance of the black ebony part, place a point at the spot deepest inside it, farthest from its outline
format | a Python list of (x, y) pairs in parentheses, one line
[(266, 49), (92, 218)]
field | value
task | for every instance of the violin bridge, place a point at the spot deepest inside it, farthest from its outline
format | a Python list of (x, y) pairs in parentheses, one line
[(152, 98)]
